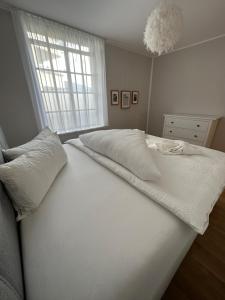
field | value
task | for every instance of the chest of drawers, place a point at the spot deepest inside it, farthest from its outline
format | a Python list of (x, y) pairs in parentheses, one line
[(195, 129)]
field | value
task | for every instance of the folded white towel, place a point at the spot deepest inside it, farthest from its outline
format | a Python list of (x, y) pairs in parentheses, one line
[(176, 147)]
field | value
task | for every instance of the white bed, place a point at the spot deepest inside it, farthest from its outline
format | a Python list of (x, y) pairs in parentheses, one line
[(95, 237)]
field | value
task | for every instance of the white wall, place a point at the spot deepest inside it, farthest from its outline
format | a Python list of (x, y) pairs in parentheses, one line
[(189, 81)]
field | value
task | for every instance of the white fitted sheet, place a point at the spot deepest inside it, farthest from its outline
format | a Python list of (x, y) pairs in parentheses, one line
[(95, 237)]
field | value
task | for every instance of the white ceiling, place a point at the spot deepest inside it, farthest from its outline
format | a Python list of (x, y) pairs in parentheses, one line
[(122, 22)]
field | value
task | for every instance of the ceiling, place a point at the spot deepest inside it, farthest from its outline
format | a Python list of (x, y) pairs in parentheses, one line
[(122, 22)]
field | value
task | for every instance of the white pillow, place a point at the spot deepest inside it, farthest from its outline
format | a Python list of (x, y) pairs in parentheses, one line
[(29, 177), (127, 147), (12, 153)]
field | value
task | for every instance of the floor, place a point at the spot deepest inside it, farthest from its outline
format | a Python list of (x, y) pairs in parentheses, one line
[(201, 275)]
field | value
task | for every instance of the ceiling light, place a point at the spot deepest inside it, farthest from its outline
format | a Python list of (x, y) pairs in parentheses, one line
[(163, 28)]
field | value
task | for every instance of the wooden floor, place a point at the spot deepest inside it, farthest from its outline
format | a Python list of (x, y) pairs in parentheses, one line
[(201, 275)]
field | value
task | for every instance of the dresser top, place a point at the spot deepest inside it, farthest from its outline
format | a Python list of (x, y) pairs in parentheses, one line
[(205, 117)]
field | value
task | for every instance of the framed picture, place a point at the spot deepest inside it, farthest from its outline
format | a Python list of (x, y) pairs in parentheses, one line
[(125, 99), (114, 97), (135, 97)]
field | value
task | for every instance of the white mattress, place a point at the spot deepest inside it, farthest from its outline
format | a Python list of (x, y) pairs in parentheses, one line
[(95, 237)]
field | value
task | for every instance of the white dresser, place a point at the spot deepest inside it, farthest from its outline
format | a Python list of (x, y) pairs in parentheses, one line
[(195, 129)]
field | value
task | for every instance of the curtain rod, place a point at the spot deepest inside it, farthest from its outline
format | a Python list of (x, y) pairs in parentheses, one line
[(10, 8)]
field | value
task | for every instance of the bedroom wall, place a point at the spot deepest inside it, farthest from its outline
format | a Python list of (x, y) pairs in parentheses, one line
[(189, 81), (125, 70), (16, 110)]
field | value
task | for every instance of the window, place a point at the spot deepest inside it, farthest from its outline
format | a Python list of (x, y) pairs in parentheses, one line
[(69, 71)]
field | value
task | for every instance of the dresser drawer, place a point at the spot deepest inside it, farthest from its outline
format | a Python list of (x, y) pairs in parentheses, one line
[(186, 123), (196, 129), (184, 133)]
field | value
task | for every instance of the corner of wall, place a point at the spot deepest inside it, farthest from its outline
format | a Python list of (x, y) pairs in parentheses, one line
[(149, 94)]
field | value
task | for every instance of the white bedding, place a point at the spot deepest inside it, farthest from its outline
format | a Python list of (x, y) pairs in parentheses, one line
[(126, 147), (189, 185), (95, 237)]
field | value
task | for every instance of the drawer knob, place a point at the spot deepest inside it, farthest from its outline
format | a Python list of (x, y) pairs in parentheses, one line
[(171, 122), (171, 131), (198, 125), (195, 136)]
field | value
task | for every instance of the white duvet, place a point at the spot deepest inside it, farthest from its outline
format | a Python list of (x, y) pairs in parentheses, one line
[(189, 186), (103, 239)]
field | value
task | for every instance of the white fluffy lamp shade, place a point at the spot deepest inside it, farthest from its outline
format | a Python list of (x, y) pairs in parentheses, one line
[(163, 28)]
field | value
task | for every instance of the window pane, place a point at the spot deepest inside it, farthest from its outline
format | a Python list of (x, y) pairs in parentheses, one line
[(60, 102), (85, 48), (55, 41), (58, 59), (69, 121), (50, 102), (91, 103), (41, 56), (93, 117), (81, 99), (88, 84), (54, 120), (86, 64), (36, 36), (46, 80), (62, 84), (82, 117), (77, 83), (75, 62), (65, 102), (76, 104), (72, 45)]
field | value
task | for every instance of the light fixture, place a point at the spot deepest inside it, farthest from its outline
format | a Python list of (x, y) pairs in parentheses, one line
[(163, 28)]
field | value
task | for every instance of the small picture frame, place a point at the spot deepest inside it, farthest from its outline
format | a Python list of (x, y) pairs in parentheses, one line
[(114, 97), (135, 97), (125, 99)]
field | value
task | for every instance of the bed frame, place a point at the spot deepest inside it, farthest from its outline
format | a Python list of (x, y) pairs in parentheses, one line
[(11, 279)]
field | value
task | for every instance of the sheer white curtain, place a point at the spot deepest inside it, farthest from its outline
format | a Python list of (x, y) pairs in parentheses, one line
[(65, 70)]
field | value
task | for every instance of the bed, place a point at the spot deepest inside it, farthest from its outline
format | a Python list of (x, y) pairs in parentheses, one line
[(99, 235), (95, 237)]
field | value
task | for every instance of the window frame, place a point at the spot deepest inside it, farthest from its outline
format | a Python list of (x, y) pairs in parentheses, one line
[(66, 51)]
